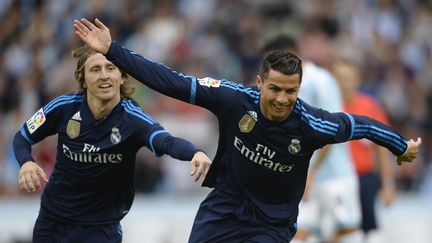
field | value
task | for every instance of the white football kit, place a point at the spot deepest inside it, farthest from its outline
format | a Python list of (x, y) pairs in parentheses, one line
[(333, 202)]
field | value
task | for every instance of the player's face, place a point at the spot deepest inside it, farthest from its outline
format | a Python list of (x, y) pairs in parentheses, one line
[(102, 78), (278, 94), (348, 77)]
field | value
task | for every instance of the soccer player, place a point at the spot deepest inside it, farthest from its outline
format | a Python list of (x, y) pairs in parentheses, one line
[(332, 186), (368, 158), (267, 137), (100, 129)]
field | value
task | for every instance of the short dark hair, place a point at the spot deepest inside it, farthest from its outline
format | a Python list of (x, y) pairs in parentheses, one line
[(282, 61)]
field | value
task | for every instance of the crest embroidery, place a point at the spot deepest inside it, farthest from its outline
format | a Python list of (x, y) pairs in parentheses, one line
[(295, 146), (115, 135), (247, 123), (73, 129)]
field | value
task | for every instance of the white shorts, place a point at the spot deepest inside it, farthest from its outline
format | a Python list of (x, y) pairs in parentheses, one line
[(332, 204)]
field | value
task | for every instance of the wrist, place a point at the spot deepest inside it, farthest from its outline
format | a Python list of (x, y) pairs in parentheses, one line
[(199, 150), (406, 150)]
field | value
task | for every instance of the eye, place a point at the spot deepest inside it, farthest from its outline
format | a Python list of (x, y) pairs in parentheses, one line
[(274, 88), (291, 91), (111, 68)]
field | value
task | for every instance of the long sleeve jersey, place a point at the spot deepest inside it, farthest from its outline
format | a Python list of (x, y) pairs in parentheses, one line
[(263, 161), (320, 89), (92, 181)]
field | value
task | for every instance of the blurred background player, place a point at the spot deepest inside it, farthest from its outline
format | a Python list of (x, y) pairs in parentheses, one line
[(372, 163), (331, 195)]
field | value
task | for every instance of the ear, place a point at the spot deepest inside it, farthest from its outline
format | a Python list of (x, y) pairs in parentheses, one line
[(259, 82)]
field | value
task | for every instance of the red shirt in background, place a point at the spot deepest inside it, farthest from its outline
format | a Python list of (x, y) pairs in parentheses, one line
[(362, 150)]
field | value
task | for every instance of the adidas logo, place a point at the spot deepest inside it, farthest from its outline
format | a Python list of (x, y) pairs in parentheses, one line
[(76, 116)]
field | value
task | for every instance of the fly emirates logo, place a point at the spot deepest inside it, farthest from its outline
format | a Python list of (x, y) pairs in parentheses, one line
[(90, 155), (263, 156)]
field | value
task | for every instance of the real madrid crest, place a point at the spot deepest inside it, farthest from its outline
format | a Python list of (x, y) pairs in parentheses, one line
[(295, 146), (74, 126), (115, 135), (247, 123)]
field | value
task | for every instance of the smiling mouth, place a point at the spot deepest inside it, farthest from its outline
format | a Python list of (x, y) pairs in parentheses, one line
[(104, 86), (279, 107)]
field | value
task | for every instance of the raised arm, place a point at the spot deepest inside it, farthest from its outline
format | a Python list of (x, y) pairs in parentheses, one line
[(154, 75), (97, 36), (213, 94)]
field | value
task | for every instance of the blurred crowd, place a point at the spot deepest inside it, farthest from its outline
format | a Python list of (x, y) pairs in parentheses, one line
[(390, 40)]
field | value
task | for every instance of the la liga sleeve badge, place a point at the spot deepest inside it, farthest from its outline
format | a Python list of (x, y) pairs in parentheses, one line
[(36, 121)]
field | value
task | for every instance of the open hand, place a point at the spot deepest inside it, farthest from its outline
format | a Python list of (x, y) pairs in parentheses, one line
[(96, 36)]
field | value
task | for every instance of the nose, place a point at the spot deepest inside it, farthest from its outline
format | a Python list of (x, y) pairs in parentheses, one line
[(282, 98), (103, 74)]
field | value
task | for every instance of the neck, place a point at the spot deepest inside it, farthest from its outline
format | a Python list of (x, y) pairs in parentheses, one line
[(101, 108)]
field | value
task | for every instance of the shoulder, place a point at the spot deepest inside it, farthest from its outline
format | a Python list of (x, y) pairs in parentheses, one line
[(134, 110), (75, 98), (302, 107), (314, 117), (239, 88), (225, 93)]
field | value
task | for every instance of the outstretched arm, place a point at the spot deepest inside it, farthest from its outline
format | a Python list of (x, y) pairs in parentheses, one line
[(97, 36), (381, 134), (341, 127), (182, 149)]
